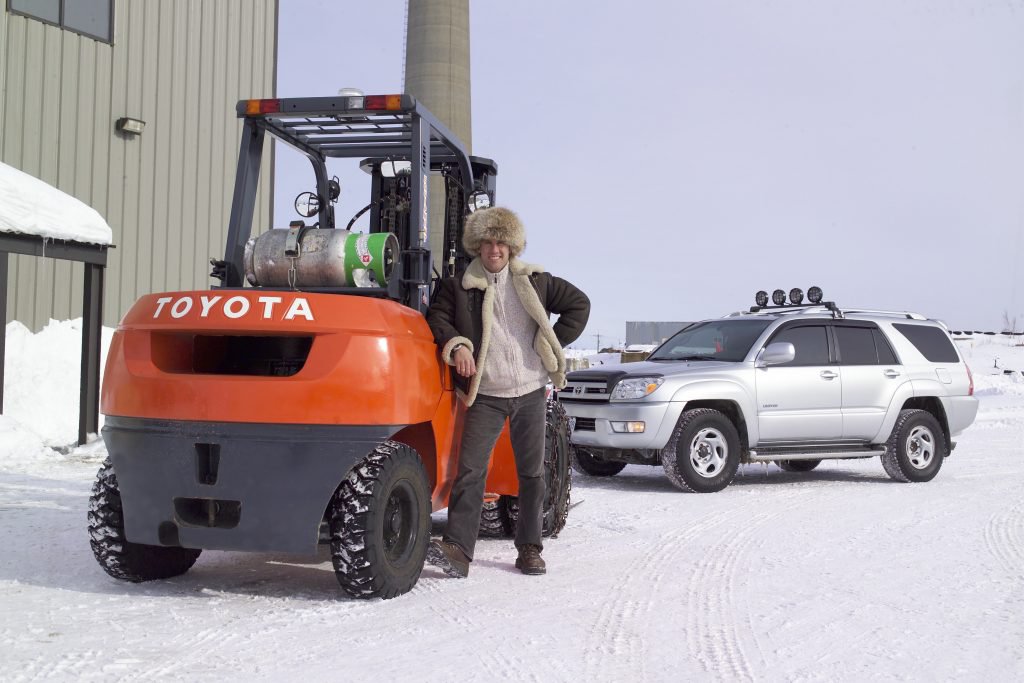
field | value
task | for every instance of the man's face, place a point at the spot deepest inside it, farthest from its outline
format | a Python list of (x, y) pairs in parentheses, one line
[(494, 255)]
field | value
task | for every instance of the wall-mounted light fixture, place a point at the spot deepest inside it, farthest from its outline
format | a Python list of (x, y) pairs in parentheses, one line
[(130, 126)]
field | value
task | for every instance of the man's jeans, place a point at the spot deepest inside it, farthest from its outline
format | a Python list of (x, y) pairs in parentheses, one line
[(484, 422)]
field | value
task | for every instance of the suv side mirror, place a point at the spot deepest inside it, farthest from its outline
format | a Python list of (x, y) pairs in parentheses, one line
[(775, 354)]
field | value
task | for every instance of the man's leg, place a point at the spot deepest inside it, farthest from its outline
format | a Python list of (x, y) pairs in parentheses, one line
[(483, 425), (526, 427)]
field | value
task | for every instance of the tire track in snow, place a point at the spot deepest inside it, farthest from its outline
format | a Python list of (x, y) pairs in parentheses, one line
[(456, 603), (1004, 537), (713, 633), (613, 639), (70, 665)]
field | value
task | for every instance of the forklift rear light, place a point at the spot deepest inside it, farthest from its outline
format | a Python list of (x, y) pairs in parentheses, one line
[(256, 107), (384, 102)]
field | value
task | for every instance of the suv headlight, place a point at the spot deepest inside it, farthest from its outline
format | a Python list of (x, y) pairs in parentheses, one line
[(636, 387)]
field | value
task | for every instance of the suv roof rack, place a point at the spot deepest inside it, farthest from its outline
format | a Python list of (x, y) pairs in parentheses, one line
[(895, 314), (796, 309)]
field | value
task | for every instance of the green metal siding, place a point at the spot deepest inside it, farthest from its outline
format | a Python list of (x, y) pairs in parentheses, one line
[(180, 66)]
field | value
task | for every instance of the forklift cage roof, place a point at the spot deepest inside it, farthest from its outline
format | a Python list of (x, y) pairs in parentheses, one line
[(394, 127)]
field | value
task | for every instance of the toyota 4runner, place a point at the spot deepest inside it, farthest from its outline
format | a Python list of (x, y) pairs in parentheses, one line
[(794, 384)]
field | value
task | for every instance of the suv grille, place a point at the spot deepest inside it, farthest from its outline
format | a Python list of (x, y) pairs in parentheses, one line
[(584, 391)]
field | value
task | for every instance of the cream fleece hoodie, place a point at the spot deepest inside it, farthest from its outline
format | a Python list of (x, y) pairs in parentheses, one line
[(513, 366)]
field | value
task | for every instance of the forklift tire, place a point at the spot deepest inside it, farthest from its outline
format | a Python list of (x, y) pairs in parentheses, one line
[(557, 479), (494, 522), (380, 523), (122, 559)]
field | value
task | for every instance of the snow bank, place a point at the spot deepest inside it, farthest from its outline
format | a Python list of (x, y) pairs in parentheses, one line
[(30, 206), (41, 384)]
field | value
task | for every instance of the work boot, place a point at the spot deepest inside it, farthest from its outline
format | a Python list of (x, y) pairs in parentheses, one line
[(530, 561), (449, 558)]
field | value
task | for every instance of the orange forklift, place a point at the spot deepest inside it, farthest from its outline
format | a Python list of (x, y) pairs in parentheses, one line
[(302, 400)]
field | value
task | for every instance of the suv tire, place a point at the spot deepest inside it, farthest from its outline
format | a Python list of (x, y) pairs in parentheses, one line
[(585, 462), (119, 557), (916, 448), (797, 465), (703, 454), (380, 523)]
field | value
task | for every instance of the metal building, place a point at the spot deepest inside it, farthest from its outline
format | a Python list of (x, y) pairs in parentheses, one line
[(78, 79), (650, 332)]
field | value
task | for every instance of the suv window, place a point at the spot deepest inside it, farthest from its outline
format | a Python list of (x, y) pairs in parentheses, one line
[(886, 356), (810, 342), (728, 340), (932, 342), (856, 345)]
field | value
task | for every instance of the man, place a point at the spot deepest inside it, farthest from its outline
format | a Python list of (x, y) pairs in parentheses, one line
[(493, 329)]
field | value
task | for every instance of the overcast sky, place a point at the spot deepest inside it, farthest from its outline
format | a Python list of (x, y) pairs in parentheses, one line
[(672, 158)]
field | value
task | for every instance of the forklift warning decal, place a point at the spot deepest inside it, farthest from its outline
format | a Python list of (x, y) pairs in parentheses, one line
[(235, 307)]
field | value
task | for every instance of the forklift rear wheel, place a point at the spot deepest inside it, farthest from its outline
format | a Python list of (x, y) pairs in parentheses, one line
[(380, 523), (119, 557)]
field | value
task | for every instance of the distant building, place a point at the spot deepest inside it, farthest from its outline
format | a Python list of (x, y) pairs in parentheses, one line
[(651, 332), (129, 105)]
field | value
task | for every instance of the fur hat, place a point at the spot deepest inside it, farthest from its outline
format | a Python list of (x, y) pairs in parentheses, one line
[(496, 223)]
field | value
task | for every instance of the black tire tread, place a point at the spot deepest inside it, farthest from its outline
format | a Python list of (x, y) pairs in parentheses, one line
[(357, 561), (120, 558), (669, 454), (797, 465), (891, 458), (585, 463)]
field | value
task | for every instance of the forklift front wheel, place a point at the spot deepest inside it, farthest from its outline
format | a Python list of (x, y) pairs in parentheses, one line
[(380, 523)]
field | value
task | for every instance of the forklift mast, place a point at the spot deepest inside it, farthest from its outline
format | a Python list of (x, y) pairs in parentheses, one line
[(381, 130)]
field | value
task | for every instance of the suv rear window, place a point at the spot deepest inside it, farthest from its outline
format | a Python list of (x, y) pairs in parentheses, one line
[(932, 342), (863, 346), (856, 346)]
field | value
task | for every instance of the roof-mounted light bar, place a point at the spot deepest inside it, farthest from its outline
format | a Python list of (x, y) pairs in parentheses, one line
[(796, 300)]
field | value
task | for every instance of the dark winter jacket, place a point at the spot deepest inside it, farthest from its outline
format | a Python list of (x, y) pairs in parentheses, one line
[(462, 314)]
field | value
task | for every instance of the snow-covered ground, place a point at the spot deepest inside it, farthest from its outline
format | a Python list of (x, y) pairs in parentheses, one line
[(835, 574)]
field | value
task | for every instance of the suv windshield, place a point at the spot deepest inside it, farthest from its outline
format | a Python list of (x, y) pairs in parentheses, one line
[(728, 340)]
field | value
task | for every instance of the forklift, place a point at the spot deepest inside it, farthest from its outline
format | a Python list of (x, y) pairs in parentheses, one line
[(301, 399)]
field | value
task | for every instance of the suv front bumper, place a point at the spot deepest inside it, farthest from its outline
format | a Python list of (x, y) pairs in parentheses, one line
[(659, 419)]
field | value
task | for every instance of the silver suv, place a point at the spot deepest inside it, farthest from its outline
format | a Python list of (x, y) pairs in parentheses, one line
[(790, 384)]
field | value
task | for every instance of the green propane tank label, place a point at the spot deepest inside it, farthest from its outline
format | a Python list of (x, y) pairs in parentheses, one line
[(367, 259)]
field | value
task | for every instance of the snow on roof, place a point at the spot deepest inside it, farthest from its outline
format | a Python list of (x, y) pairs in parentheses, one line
[(31, 207)]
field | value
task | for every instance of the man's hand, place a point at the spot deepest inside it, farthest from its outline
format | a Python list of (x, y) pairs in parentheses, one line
[(464, 363)]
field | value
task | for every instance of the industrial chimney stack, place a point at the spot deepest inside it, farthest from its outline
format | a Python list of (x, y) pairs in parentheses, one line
[(437, 74)]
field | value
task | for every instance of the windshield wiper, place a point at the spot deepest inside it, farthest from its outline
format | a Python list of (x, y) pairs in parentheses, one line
[(692, 357)]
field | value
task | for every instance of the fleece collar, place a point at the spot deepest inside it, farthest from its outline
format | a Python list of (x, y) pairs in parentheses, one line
[(475, 276)]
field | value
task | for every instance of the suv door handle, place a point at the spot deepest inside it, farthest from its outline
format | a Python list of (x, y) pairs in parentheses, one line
[(828, 374), (891, 373)]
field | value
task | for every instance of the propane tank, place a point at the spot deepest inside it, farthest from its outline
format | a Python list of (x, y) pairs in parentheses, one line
[(311, 257)]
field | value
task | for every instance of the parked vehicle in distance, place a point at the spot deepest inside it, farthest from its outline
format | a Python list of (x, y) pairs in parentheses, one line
[(791, 383)]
